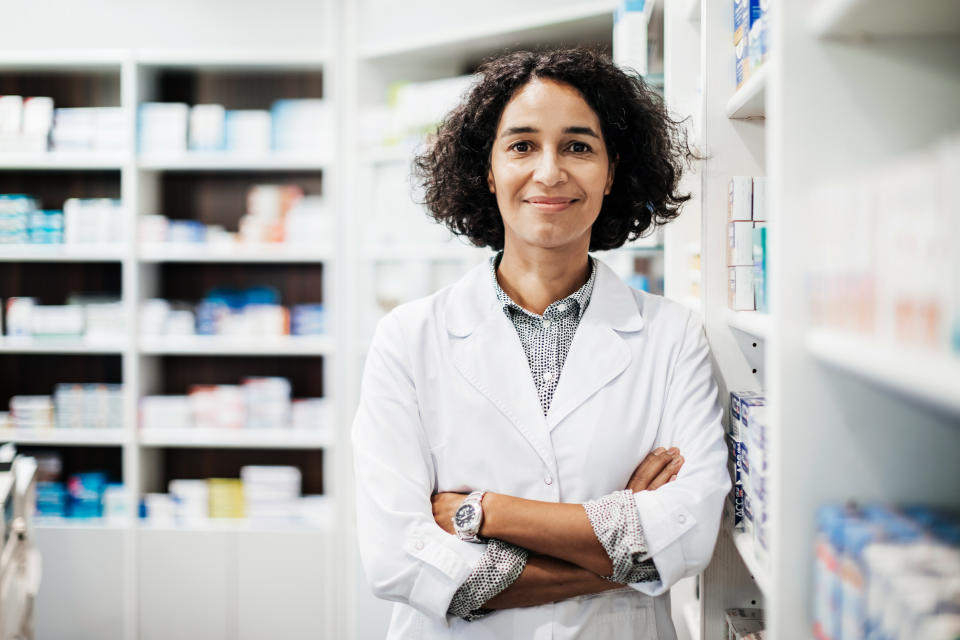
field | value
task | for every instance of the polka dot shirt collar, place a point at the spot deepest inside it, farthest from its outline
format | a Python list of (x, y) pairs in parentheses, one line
[(575, 302)]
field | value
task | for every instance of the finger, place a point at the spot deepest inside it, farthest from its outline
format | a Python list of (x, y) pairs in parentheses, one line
[(673, 477), (664, 476), (649, 469)]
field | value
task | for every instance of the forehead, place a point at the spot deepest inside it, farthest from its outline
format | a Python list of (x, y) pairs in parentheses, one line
[(544, 102)]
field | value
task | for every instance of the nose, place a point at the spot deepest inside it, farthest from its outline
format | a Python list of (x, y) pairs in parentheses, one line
[(548, 171)]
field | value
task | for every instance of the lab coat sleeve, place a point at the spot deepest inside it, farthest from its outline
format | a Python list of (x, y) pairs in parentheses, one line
[(408, 558), (681, 519)]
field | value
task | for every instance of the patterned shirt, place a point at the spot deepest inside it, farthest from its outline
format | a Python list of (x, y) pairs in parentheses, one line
[(546, 340)]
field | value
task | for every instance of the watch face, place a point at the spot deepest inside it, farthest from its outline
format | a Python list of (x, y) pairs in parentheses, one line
[(465, 516)]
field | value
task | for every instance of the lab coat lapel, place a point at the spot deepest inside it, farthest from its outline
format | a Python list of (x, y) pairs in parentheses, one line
[(487, 352), (598, 353)]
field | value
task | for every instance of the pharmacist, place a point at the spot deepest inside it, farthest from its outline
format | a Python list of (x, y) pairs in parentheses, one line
[(538, 447)]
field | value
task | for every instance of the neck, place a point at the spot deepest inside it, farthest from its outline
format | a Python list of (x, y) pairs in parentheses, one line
[(536, 278)]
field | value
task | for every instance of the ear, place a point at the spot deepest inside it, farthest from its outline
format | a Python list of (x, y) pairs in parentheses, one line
[(490, 183), (611, 171)]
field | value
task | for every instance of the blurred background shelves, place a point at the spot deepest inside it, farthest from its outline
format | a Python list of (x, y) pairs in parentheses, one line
[(225, 161), (63, 160), (61, 345), (754, 323), (64, 253), (278, 438), (924, 376), (66, 437), (280, 253), (238, 345), (864, 19)]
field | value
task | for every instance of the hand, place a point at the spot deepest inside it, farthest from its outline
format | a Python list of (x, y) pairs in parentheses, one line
[(445, 504), (657, 469)]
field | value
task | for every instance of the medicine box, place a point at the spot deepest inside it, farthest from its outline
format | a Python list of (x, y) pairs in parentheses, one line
[(760, 268), (740, 243), (740, 199), (759, 199), (740, 288)]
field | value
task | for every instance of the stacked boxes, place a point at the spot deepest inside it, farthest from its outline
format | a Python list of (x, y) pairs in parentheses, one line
[(749, 37), (744, 624), (72, 406), (884, 273), (746, 243), (885, 572), (93, 318), (747, 441)]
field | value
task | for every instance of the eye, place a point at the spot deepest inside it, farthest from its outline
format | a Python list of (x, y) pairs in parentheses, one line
[(580, 147), (520, 146)]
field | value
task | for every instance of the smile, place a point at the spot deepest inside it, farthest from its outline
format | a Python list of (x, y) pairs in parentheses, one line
[(550, 205)]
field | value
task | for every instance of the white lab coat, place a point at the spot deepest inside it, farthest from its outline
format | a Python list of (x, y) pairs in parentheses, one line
[(448, 404)]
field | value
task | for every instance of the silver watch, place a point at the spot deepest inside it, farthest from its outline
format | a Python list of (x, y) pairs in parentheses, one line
[(468, 518)]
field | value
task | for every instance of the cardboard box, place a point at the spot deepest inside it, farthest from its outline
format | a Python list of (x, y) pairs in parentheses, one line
[(740, 198), (740, 243)]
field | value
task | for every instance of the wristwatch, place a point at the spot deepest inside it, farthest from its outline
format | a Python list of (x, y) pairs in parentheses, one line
[(468, 518)]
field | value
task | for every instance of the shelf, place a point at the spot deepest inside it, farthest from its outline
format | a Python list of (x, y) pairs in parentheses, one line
[(237, 345), (926, 376), (63, 160), (878, 18), (691, 616), (749, 101), (58, 59), (198, 161), (750, 322), (59, 345), (437, 251), (389, 155), (84, 524), (237, 438), (569, 24), (240, 525), (235, 59), (62, 253), (66, 436), (745, 547), (198, 252)]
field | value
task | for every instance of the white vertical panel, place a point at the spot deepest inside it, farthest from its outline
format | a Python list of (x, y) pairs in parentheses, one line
[(187, 584), (81, 588)]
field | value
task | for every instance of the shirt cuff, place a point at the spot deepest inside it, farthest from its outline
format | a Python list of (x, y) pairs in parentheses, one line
[(499, 567), (616, 523)]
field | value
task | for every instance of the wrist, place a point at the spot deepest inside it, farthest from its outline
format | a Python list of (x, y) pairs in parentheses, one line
[(488, 526)]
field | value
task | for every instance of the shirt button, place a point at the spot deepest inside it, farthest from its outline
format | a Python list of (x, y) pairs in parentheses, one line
[(547, 376), (548, 479), (546, 324), (681, 518), (561, 308), (419, 545)]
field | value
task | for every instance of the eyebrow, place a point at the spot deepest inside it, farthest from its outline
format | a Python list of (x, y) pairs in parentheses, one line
[(584, 131)]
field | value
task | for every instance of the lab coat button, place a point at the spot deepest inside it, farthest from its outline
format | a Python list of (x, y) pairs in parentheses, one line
[(681, 518), (548, 479), (419, 545)]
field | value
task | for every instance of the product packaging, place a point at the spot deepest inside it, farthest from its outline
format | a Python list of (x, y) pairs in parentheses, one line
[(740, 199), (207, 127), (760, 288), (740, 244), (740, 288)]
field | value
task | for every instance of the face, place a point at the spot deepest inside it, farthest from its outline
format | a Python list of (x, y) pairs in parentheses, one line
[(549, 168)]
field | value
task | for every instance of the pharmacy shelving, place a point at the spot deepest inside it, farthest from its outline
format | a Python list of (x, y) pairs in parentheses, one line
[(64, 160), (66, 436), (872, 18), (237, 438), (63, 253), (747, 548), (197, 161), (325, 523), (242, 253), (446, 251), (750, 100), (61, 345), (238, 346), (925, 376), (752, 323)]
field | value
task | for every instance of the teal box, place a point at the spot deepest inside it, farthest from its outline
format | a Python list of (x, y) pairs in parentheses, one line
[(760, 269)]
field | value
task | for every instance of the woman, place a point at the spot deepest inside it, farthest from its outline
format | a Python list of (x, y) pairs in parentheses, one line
[(502, 419)]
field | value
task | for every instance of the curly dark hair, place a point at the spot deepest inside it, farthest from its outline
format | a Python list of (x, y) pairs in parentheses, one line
[(650, 148)]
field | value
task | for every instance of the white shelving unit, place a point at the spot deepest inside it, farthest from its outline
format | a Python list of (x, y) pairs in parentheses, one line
[(843, 409), (127, 608)]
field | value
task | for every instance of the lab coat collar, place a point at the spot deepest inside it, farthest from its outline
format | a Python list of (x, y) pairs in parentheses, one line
[(473, 298), (487, 351)]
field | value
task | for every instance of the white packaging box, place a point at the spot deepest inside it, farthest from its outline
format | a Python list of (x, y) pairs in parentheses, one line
[(248, 131), (740, 198), (163, 127), (311, 414), (110, 129), (11, 119), (740, 243), (207, 127), (58, 320), (760, 211), (74, 129), (740, 288), (192, 499), (165, 412), (302, 126), (20, 317), (37, 123)]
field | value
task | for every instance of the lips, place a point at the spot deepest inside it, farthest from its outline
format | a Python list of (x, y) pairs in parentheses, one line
[(550, 204)]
